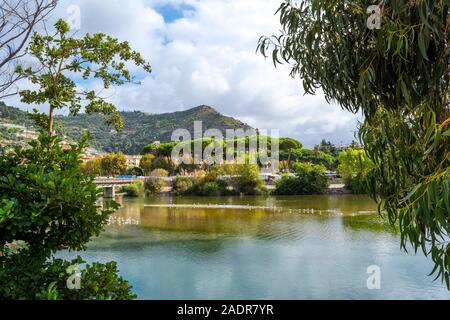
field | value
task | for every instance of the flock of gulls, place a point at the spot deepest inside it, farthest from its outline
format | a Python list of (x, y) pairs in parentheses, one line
[(245, 207), (116, 220)]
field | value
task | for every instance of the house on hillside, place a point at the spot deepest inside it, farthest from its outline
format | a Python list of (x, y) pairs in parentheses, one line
[(133, 161)]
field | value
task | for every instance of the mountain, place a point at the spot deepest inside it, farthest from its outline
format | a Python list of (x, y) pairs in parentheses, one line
[(14, 115), (139, 130)]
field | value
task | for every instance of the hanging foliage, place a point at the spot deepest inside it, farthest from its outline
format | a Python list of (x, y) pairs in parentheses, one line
[(398, 77)]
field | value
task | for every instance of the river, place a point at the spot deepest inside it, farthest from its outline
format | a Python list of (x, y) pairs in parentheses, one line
[(302, 247)]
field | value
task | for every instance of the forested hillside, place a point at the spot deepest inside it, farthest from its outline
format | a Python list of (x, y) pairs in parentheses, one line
[(140, 128)]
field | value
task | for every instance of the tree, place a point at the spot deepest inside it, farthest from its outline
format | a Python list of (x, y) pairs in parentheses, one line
[(243, 178), (183, 185), (47, 203), (92, 167), (60, 56), (327, 147), (314, 156), (163, 155), (398, 77), (354, 167), (151, 148), (133, 190), (163, 163), (146, 163), (18, 18), (288, 145), (113, 164)]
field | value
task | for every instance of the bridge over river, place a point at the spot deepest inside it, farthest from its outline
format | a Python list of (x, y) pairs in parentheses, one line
[(109, 184)]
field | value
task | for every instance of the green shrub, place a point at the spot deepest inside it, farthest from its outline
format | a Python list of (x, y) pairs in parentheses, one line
[(153, 185), (288, 185), (242, 179), (211, 189), (133, 190), (182, 185), (308, 179), (246, 180), (97, 281), (136, 171), (208, 185)]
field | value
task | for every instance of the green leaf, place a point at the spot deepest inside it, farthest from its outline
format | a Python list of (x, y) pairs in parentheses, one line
[(422, 46), (412, 192)]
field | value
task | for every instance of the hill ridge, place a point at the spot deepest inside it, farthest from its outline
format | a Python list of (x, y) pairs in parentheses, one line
[(140, 128)]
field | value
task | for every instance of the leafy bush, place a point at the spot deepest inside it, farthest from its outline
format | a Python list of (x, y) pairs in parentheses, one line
[(357, 184), (211, 189), (97, 282), (223, 180), (182, 185), (47, 203), (199, 186), (153, 185), (308, 179), (289, 185), (245, 180), (136, 171), (133, 190)]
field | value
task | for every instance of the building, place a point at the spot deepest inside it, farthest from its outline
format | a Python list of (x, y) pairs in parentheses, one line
[(133, 161)]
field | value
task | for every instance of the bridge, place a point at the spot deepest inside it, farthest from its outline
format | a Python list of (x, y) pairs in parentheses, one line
[(109, 184)]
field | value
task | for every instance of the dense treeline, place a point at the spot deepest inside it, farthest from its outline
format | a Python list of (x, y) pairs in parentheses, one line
[(304, 171), (290, 151)]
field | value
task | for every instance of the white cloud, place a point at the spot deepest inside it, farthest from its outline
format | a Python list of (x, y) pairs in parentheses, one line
[(208, 57)]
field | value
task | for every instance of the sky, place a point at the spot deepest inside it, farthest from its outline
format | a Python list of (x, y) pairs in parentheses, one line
[(203, 53)]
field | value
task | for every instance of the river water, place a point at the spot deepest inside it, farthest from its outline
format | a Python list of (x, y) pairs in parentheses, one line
[(302, 247)]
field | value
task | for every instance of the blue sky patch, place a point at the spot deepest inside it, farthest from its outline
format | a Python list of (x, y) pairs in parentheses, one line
[(172, 12)]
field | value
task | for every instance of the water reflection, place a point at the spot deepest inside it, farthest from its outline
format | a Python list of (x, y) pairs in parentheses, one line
[(277, 251)]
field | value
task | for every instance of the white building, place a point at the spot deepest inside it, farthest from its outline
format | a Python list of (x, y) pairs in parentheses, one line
[(133, 161)]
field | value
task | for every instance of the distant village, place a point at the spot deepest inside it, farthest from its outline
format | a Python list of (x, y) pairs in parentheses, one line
[(14, 135)]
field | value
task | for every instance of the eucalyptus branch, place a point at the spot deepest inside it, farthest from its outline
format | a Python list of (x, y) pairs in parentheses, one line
[(398, 76)]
